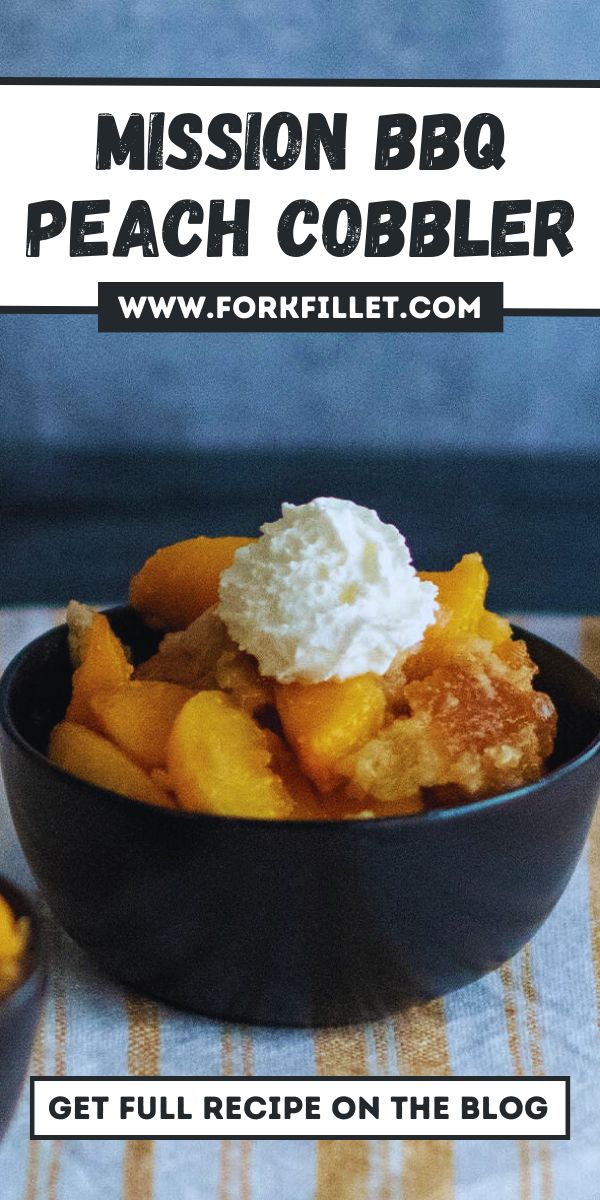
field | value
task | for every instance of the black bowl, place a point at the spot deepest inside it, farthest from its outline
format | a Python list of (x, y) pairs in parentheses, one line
[(20, 1010), (294, 923)]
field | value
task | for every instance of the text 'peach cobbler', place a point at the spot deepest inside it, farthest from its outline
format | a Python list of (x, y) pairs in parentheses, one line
[(310, 673)]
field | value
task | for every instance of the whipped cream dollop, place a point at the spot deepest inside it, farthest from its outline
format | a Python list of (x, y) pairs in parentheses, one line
[(328, 591)]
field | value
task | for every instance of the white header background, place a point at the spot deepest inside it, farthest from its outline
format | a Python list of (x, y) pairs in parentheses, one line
[(49, 136)]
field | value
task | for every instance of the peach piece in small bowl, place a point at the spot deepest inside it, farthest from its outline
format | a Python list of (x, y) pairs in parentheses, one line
[(22, 981)]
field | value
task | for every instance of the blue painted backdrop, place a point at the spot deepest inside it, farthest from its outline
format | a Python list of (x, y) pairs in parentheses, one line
[(532, 388)]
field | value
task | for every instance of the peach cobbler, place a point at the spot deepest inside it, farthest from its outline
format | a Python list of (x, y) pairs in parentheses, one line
[(310, 673), (14, 939)]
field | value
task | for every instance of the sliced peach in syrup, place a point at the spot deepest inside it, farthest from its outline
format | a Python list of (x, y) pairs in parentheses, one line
[(220, 761), (103, 665), (138, 716), (461, 595), (308, 804), (12, 941), (324, 722), (14, 935), (461, 613), (179, 582), (89, 756), (493, 628)]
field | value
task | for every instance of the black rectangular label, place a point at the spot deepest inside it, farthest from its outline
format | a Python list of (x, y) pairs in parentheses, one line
[(309, 307)]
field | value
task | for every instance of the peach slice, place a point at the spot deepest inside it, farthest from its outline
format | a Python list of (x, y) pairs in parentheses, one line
[(89, 756), (179, 582), (461, 594), (14, 934), (220, 761), (103, 665), (308, 804), (493, 628), (138, 716), (461, 613), (324, 722)]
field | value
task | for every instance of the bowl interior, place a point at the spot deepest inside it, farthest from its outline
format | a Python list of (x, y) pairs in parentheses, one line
[(37, 687)]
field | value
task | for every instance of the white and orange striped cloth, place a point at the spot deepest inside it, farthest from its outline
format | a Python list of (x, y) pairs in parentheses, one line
[(538, 1014)]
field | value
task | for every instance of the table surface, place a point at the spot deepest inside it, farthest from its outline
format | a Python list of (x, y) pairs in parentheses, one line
[(539, 1014)]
